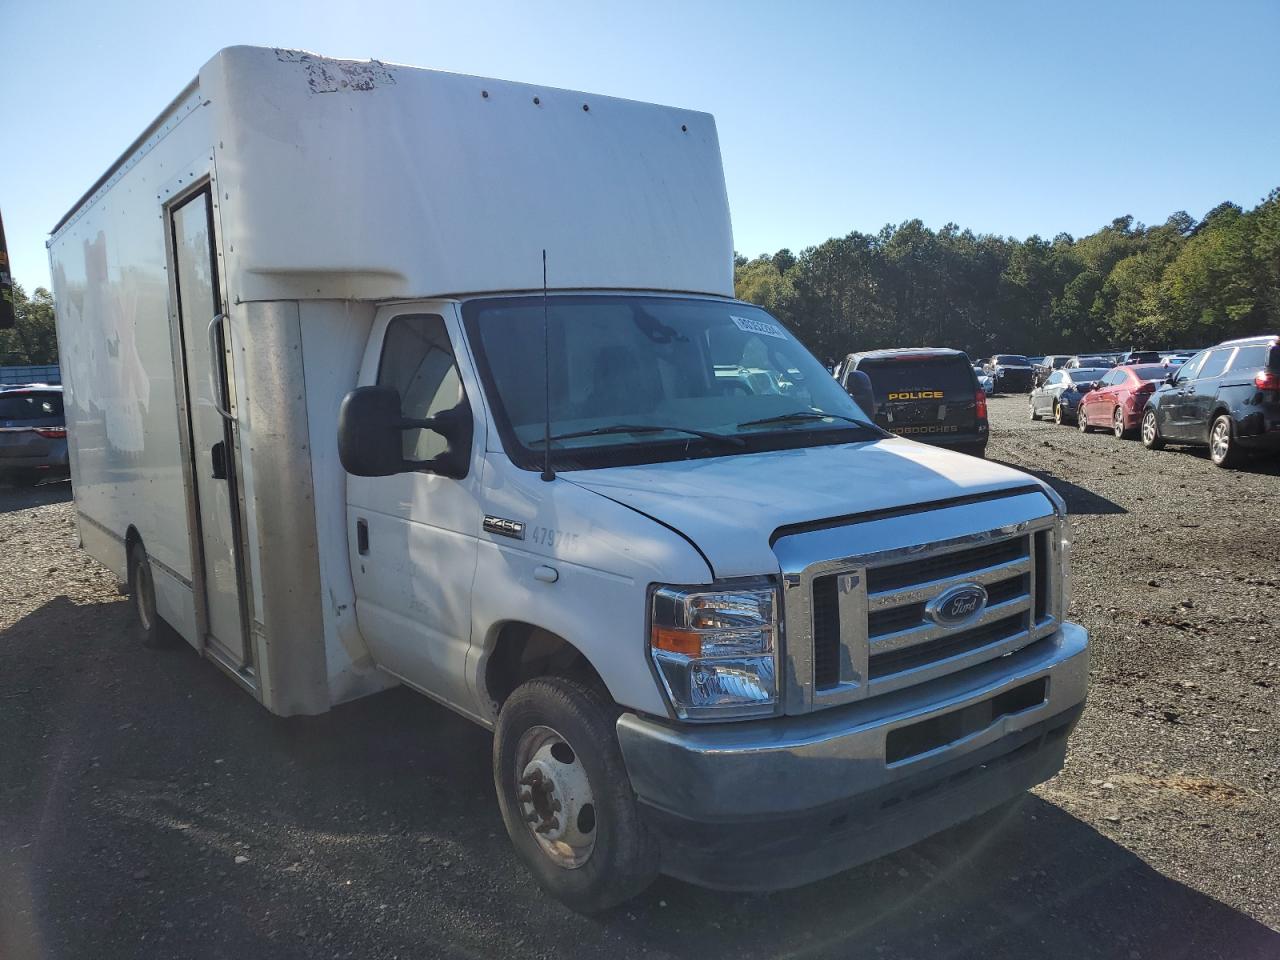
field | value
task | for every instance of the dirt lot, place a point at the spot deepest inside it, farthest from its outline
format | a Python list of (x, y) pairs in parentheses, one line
[(150, 808)]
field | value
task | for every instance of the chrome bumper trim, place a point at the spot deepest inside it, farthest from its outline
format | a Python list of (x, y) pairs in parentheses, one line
[(774, 767)]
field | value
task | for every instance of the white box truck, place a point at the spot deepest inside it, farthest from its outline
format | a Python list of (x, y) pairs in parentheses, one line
[(331, 428)]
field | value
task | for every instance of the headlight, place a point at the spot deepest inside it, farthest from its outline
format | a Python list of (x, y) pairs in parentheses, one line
[(716, 649)]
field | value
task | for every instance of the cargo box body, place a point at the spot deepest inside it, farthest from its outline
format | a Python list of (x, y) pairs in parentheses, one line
[(215, 290)]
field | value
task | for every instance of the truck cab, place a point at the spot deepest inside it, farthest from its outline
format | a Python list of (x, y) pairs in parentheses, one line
[(717, 587)]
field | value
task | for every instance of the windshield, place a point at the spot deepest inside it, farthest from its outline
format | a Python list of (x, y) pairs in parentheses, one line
[(30, 406), (950, 375), (1012, 360), (637, 379), (1087, 375), (1150, 373)]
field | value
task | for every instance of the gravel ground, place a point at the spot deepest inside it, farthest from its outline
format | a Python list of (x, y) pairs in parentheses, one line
[(150, 808)]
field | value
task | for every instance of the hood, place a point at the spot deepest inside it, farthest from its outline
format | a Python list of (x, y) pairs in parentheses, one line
[(729, 507)]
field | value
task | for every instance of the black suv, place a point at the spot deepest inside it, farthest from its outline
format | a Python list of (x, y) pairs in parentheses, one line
[(1010, 372), (1226, 398), (927, 394)]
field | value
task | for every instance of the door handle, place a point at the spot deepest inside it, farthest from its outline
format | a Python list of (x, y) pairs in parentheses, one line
[(215, 369), (362, 537), (219, 457)]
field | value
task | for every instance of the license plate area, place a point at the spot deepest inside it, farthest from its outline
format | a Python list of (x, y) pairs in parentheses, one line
[(906, 743)]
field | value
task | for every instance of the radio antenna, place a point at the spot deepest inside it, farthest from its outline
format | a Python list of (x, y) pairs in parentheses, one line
[(547, 473)]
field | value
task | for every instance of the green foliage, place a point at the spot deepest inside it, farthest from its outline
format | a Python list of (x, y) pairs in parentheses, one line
[(33, 340), (1181, 283)]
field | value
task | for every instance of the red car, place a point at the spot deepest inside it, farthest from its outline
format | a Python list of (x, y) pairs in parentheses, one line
[(1120, 398)]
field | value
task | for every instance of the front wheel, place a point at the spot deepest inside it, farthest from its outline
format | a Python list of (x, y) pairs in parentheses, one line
[(1224, 451), (1057, 413), (1151, 438), (565, 795), (1031, 406), (1082, 422)]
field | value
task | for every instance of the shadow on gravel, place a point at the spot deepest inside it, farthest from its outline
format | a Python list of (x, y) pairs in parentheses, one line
[(1263, 466), (24, 498), (149, 807), (1079, 499)]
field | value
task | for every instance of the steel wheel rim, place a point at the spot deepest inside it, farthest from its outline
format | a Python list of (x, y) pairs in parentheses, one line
[(1149, 427), (553, 795), (1220, 443)]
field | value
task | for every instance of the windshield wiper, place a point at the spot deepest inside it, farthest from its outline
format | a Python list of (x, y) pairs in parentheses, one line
[(645, 428), (802, 416)]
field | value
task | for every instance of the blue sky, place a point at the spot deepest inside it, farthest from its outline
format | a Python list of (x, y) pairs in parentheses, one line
[(1010, 118)]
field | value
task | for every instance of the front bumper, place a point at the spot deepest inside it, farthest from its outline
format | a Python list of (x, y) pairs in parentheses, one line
[(777, 803), (54, 465), (966, 440)]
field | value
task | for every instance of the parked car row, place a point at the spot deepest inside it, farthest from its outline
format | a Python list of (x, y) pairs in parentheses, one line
[(1225, 398), (1043, 367)]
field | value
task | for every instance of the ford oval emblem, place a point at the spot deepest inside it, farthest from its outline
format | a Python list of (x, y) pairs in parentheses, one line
[(956, 604)]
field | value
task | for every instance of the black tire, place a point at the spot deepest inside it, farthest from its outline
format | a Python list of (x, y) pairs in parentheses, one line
[(624, 857), (147, 625), (1082, 422), (1057, 413), (1150, 431), (1031, 406), (1224, 449)]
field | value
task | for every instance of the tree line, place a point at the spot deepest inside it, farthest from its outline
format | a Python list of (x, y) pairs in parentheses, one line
[(1184, 283), (33, 339)]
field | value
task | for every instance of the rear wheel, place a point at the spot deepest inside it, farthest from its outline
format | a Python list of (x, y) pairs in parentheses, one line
[(148, 626), (1223, 448), (1117, 423), (565, 795), (1151, 438)]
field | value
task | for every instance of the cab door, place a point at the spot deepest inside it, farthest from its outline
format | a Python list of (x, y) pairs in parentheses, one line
[(1204, 393), (1173, 412), (1098, 404), (412, 537)]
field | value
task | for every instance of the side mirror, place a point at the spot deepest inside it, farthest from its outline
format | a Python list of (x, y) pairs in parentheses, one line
[(1171, 378), (858, 384), (370, 430)]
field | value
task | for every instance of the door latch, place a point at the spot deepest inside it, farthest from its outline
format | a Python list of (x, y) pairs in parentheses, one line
[(362, 537), (219, 457)]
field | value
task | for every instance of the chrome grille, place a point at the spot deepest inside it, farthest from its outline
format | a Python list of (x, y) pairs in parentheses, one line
[(857, 627)]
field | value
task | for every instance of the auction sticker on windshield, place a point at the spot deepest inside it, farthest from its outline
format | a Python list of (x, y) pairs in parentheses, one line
[(758, 326)]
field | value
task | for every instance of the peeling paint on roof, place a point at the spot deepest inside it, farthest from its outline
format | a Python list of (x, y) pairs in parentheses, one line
[(337, 76)]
